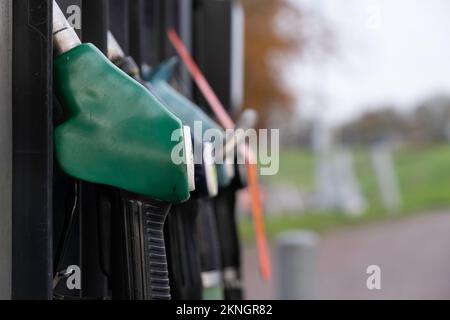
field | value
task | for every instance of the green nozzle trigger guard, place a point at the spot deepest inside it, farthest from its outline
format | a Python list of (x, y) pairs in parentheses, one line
[(183, 108), (104, 141)]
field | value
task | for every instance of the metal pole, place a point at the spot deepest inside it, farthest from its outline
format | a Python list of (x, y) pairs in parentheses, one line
[(5, 147), (32, 171), (297, 265)]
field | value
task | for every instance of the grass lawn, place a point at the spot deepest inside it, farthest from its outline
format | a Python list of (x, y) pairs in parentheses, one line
[(424, 178)]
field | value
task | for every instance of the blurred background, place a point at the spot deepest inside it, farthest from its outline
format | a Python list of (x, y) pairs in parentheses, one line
[(360, 90)]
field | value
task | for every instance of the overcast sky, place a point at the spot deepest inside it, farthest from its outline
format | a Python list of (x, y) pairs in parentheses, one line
[(390, 52)]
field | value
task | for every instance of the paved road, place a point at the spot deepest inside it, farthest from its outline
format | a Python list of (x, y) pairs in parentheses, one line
[(413, 254)]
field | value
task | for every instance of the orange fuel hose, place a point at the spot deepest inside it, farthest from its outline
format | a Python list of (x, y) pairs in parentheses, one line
[(226, 121)]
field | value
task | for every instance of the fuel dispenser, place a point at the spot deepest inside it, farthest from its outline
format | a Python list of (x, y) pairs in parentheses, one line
[(93, 181)]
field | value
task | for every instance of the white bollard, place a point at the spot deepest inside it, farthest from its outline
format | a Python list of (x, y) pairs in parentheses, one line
[(388, 187), (296, 258), (351, 199)]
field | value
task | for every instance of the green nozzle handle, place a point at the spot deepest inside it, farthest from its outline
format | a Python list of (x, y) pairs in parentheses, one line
[(206, 184), (186, 110), (107, 141)]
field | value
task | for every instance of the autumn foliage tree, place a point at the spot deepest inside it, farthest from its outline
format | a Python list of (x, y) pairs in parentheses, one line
[(267, 48)]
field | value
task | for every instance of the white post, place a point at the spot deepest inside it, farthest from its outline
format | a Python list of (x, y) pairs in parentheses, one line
[(387, 180), (5, 147), (326, 195), (351, 199), (296, 258)]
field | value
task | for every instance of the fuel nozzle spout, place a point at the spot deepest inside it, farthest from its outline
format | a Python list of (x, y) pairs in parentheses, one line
[(115, 51), (120, 59), (64, 36)]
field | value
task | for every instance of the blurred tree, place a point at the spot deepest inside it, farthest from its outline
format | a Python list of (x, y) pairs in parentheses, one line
[(428, 122), (432, 116), (267, 47), (375, 126)]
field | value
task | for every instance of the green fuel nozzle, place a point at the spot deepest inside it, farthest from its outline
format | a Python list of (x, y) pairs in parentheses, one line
[(193, 236), (206, 182), (186, 110), (117, 132), (217, 280)]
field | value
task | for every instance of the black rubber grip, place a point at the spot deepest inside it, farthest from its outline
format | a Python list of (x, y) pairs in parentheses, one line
[(229, 242), (144, 272), (183, 252), (208, 236), (146, 220)]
